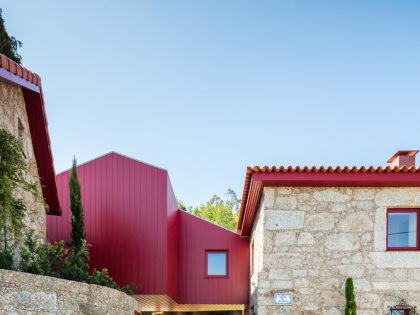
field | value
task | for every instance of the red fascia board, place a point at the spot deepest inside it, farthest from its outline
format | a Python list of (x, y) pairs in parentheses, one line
[(260, 180), (14, 79), (38, 126), (380, 179)]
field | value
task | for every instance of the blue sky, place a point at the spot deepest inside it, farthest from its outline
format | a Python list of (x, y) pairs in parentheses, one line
[(205, 88)]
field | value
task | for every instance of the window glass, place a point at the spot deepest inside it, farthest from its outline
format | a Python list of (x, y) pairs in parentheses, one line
[(402, 229), (217, 264)]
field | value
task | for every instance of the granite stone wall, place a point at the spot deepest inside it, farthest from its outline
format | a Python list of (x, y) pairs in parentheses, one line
[(13, 118), (27, 294), (308, 240)]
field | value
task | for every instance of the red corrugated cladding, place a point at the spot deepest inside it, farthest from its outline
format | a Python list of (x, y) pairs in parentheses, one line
[(125, 218), (197, 236), (137, 232)]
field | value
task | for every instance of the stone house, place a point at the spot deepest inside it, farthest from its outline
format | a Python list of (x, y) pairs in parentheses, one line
[(311, 228), (22, 112)]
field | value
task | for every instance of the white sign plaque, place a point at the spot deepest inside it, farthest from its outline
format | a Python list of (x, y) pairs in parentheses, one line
[(283, 299)]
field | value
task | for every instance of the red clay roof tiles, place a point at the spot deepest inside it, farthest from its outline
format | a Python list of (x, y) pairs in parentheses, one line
[(18, 70), (332, 169)]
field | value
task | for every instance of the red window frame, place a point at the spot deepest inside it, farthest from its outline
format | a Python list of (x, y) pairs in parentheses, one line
[(402, 210), (206, 259)]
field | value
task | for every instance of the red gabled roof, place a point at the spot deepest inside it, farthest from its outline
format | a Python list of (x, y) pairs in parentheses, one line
[(34, 101), (257, 178)]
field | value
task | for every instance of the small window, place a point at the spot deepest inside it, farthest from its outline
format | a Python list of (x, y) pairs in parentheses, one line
[(402, 229), (217, 264), (402, 309)]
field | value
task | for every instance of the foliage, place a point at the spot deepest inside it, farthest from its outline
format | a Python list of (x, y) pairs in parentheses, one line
[(103, 278), (13, 174), (41, 259), (76, 265), (6, 259), (219, 211), (182, 206), (78, 233), (350, 308), (8, 44)]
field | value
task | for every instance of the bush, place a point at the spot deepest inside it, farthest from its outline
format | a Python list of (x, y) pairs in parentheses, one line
[(41, 259), (74, 266), (103, 278), (6, 259)]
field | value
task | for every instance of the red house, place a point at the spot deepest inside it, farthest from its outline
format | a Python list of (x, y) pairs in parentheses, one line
[(179, 262)]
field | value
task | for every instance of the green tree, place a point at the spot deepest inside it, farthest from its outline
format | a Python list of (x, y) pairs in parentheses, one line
[(76, 266), (182, 206), (350, 308), (78, 233), (219, 211), (8, 44), (13, 178)]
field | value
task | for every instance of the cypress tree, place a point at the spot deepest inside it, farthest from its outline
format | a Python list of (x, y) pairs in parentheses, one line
[(350, 308), (8, 44), (78, 234), (76, 266)]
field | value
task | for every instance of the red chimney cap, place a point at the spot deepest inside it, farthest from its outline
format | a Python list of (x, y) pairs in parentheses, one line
[(403, 152)]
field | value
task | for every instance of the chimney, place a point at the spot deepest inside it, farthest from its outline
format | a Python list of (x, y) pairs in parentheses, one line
[(403, 158)]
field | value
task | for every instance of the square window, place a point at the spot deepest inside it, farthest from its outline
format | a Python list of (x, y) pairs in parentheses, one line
[(402, 229), (217, 264)]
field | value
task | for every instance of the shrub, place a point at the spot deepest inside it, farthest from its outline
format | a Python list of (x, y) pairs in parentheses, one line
[(103, 278), (74, 266), (350, 308), (42, 259), (6, 259)]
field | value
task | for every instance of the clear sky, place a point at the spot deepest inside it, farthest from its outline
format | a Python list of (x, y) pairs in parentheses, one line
[(205, 88)]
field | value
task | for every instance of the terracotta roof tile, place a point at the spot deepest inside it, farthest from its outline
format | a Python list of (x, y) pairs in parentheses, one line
[(332, 169), (18, 70)]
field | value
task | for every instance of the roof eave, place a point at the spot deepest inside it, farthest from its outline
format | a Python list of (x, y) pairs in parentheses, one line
[(256, 181), (30, 82)]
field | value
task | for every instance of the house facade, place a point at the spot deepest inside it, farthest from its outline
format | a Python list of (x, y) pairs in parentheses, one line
[(312, 228), (22, 113)]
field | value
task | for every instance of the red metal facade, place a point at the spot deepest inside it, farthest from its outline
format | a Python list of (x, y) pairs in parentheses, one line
[(136, 231), (198, 236), (125, 218)]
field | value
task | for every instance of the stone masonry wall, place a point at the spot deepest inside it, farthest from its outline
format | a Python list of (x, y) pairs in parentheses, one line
[(312, 239), (13, 118), (27, 294)]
